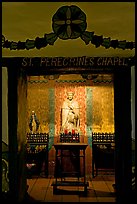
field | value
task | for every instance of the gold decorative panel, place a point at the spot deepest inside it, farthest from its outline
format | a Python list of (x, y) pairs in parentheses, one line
[(103, 108), (38, 101)]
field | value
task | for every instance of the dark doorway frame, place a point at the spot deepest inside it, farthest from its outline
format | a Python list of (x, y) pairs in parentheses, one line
[(122, 115)]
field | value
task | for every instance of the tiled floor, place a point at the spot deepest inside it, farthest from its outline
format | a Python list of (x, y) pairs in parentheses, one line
[(100, 190)]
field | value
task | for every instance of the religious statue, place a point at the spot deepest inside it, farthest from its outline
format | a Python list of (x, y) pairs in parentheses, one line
[(70, 114), (33, 123)]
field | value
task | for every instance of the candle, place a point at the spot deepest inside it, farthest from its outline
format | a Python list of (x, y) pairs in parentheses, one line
[(66, 131), (73, 132)]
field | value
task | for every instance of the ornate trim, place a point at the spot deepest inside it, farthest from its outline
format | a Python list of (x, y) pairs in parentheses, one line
[(69, 22)]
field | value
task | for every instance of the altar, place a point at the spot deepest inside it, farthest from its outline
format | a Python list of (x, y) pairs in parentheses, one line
[(75, 151)]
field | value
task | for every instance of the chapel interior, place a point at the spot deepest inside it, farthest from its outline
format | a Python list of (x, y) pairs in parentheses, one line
[(94, 93), (89, 157)]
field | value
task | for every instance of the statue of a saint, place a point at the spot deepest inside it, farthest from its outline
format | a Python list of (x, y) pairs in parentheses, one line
[(33, 123), (70, 114)]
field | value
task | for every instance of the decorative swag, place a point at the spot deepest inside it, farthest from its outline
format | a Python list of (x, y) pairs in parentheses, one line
[(69, 22)]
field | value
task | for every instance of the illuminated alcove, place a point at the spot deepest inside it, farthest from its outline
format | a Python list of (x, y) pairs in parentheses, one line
[(93, 92)]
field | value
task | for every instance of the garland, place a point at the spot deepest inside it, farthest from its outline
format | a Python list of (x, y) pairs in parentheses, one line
[(69, 22)]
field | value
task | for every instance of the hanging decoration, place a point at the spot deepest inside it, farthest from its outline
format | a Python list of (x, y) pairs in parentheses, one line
[(69, 22)]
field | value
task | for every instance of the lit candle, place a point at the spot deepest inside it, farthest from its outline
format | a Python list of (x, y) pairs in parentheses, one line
[(66, 131), (73, 131)]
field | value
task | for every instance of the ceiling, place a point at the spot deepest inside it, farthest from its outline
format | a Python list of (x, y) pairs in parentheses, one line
[(28, 20)]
